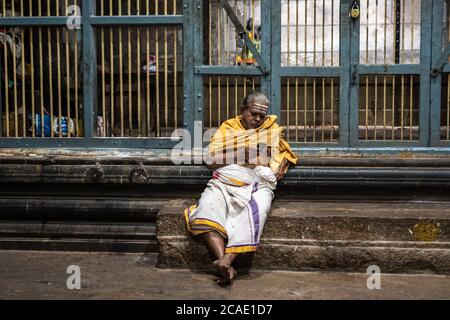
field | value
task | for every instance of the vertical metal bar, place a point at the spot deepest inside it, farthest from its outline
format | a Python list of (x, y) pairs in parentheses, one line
[(158, 124), (58, 66), (323, 78), (210, 61), (332, 110), (33, 111), (102, 44), (385, 32), (166, 76), (245, 22), (332, 79), (376, 76), (393, 109), (138, 71), (367, 77), (436, 81), (1, 101), (296, 63), (189, 102), (121, 74), (50, 72), (6, 78), (323, 109), (24, 107), (314, 64), (447, 136), (76, 76), (427, 19), (375, 108), (397, 31), (402, 99), (41, 75), (275, 79), (384, 107), (350, 33), (89, 68), (385, 63), (305, 92), (376, 32), (227, 57), (314, 108), (14, 58), (68, 81), (147, 71), (402, 105), (219, 53), (195, 44), (253, 32), (111, 67), (367, 108), (130, 72), (235, 58), (102, 51), (175, 67), (411, 90), (288, 111), (411, 77), (412, 30)]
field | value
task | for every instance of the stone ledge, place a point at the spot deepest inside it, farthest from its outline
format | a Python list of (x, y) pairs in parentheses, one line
[(427, 222), (189, 253), (338, 241)]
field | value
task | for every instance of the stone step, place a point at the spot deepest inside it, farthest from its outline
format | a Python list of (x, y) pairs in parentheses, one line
[(74, 229), (334, 220), (406, 237), (81, 245)]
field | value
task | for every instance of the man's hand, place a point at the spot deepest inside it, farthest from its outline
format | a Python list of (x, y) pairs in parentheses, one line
[(282, 169)]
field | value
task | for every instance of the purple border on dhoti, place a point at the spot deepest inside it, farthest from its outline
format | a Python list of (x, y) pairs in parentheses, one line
[(255, 215)]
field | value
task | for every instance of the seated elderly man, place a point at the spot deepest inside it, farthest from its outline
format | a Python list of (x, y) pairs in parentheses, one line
[(249, 157)]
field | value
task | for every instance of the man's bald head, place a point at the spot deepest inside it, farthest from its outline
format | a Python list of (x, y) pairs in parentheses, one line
[(254, 110)]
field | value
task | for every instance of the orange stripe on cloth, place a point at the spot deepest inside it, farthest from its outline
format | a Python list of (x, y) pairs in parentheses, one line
[(241, 249), (202, 222)]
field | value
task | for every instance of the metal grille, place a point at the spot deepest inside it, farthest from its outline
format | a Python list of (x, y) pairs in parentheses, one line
[(37, 8), (389, 107), (311, 109), (141, 75), (310, 33), (224, 45), (140, 81), (223, 97), (139, 7), (445, 89), (390, 31), (445, 108), (42, 91)]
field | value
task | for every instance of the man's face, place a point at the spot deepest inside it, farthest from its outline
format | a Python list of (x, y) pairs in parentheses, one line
[(254, 115)]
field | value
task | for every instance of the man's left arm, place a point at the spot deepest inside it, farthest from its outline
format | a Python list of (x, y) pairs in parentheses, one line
[(282, 169)]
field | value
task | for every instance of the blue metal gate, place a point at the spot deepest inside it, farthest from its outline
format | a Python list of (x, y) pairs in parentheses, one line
[(332, 82)]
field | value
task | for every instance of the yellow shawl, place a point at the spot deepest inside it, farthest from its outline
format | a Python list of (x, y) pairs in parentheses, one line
[(231, 135)]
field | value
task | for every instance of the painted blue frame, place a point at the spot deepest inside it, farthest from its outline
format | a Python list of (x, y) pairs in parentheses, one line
[(194, 71)]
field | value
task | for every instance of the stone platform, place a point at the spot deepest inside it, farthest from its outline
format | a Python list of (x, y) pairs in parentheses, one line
[(398, 236)]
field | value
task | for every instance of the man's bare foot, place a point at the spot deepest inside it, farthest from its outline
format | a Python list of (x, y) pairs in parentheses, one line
[(227, 272)]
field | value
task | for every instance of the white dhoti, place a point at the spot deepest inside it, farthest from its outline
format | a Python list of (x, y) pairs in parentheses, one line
[(235, 203)]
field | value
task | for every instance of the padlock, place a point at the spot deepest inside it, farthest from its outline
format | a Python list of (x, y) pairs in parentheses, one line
[(355, 10)]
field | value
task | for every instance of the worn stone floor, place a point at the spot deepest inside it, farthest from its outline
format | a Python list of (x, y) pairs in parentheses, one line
[(43, 275)]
